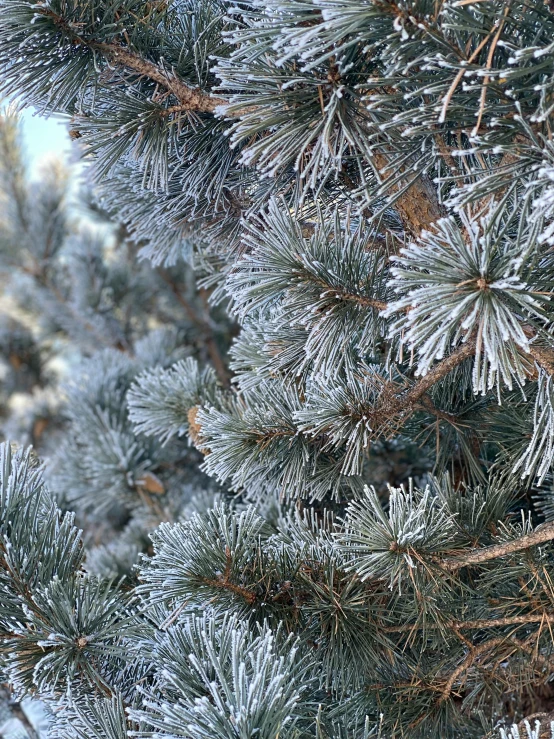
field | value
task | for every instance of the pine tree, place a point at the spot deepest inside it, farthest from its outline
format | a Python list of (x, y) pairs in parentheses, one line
[(366, 188)]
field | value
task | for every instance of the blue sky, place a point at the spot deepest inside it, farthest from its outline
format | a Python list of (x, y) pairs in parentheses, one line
[(44, 138)]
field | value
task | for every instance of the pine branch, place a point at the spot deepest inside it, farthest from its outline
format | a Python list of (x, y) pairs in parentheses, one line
[(472, 655), (225, 584), (485, 623), (191, 99), (439, 371), (393, 408), (224, 581), (428, 406), (542, 534), (350, 297), (418, 205), (391, 411)]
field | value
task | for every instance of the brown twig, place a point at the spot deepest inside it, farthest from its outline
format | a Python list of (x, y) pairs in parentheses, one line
[(472, 655), (192, 99), (224, 581), (342, 294), (428, 406), (541, 535), (396, 404), (484, 623), (223, 584), (486, 80), (202, 324), (439, 371), (457, 79), (418, 205)]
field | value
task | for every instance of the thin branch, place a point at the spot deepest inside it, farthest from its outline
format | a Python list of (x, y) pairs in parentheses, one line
[(466, 664), (343, 294), (428, 406), (361, 300), (418, 205), (191, 99), (484, 623), (224, 581), (232, 587), (541, 535), (203, 325), (439, 371), (458, 77), (396, 405), (486, 80)]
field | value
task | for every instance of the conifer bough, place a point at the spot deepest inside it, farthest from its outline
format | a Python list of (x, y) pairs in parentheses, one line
[(326, 485)]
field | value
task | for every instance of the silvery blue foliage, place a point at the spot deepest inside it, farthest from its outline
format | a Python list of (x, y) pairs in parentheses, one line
[(376, 542), (530, 730), (308, 438), (537, 458), (472, 280)]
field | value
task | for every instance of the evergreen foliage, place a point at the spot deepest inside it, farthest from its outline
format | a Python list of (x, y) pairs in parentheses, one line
[(334, 518)]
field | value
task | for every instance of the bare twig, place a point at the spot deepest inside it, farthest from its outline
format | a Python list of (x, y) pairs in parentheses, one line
[(477, 625), (191, 99), (439, 371), (418, 206), (342, 294), (203, 325), (457, 79), (486, 80), (541, 535), (223, 581), (467, 663)]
